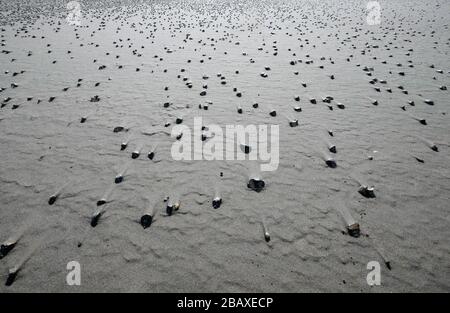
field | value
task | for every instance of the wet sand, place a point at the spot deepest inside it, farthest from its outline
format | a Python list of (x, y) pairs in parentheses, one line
[(71, 95)]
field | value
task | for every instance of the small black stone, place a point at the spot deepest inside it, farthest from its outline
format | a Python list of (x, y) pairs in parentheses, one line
[(5, 249), (11, 278), (353, 230), (256, 184), (95, 219), (331, 163), (388, 265), (332, 149), (293, 123), (52, 200), (216, 203), (146, 221), (366, 192)]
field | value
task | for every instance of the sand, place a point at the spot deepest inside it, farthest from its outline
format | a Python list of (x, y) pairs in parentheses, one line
[(70, 142)]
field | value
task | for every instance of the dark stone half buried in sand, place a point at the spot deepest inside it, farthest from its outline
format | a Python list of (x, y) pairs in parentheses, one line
[(123, 146), (95, 219), (273, 113), (256, 184), (332, 149), (146, 220), (95, 99), (293, 123), (135, 154), (216, 202), (245, 148), (368, 192), (151, 155), (266, 236), (331, 163), (171, 208), (5, 249), (52, 199), (354, 230), (118, 179), (118, 129), (11, 278)]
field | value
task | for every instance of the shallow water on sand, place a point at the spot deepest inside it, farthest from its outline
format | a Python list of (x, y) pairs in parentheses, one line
[(43, 145)]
